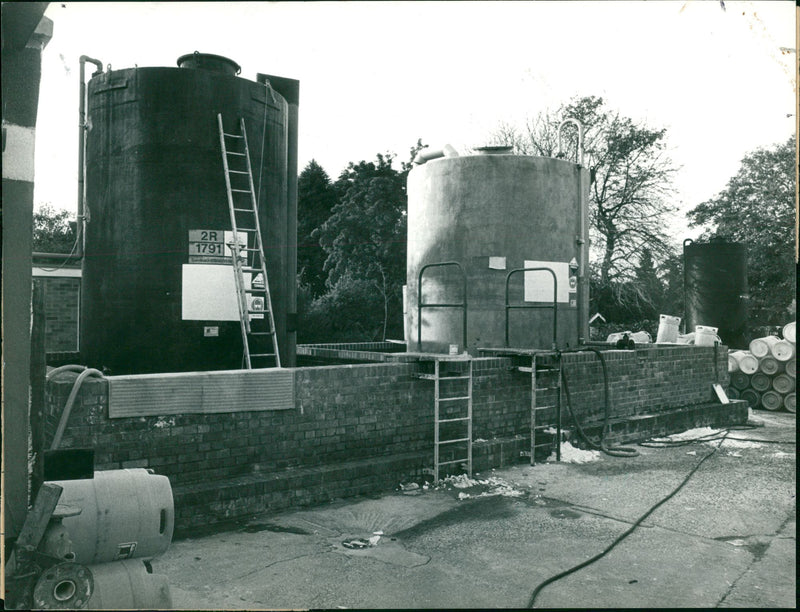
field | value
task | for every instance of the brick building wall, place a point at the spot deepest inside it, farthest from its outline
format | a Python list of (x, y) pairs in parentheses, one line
[(358, 428), (62, 311)]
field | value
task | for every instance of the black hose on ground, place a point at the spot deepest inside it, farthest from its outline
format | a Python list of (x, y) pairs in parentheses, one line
[(624, 535), (614, 451)]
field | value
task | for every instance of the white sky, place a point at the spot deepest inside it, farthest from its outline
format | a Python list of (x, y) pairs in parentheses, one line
[(375, 76)]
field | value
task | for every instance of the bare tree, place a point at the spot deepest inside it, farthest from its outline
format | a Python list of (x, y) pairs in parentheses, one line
[(631, 179)]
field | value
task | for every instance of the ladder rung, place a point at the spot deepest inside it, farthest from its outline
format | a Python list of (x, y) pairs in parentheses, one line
[(257, 312), (465, 459), (452, 399), (545, 407), (252, 333), (250, 210), (454, 420), (238, 172), (424, 376), (240, 190), (235, 153), (453, 441), (232, 135), (453, 377), (262, 354), (547, 388)]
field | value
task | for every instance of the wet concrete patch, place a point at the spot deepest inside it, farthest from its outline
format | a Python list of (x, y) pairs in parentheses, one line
[(545, 502), (565, 513), (755, 545), (258, 527), (385, 549), (476, 509)]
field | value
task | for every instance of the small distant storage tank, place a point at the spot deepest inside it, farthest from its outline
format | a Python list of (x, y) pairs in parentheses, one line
[(158, 296), (715, 288), (492, 213)]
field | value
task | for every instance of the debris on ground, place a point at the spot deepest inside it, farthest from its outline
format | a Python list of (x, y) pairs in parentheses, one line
[(689, 434), (479, 487), (570, 454), (734, 443), (409, 486), (356, 543)]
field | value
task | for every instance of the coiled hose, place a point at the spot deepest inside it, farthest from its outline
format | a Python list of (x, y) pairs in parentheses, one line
[(614, 451)]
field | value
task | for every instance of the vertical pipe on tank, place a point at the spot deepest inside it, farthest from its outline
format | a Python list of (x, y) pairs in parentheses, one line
[(582, 279), (290, 90), (82, 149)]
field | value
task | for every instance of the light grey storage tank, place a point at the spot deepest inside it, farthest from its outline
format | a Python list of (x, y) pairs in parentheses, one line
[(492, 214)]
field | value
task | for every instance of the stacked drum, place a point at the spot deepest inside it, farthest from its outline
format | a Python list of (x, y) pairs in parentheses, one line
[(765, 375)]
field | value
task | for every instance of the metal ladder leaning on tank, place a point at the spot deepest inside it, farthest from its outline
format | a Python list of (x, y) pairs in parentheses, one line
[(242, 201), (539, 370), (464, 376), (551, 366)]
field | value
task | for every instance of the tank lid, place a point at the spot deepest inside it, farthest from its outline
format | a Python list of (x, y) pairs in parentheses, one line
[(210, 62), (494, 150)]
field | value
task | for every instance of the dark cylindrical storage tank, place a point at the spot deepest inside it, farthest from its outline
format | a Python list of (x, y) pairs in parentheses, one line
[(715, 288), (492, 214), (157, 296)]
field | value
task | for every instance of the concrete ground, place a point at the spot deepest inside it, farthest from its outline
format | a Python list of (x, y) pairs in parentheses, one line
[(726, 539)]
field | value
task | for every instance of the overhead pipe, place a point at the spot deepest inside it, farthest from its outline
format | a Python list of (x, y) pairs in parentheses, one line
[(427, 155), (77, 252), (582, 239), (576, 123)]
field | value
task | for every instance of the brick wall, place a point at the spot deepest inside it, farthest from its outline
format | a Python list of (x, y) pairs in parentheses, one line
[(62, 298), (369, 424)]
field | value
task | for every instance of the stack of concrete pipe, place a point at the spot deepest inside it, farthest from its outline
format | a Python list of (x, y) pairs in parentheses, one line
[(765, 375)]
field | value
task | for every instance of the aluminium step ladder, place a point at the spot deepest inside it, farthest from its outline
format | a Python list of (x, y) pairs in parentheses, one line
[(450, 410), (259, 338), (544, 365)]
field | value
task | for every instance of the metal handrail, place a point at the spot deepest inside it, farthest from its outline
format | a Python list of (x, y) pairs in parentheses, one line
[(462, 305), (554, 305)]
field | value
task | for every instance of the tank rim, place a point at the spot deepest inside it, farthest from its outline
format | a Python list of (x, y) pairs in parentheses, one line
[(218, 59)]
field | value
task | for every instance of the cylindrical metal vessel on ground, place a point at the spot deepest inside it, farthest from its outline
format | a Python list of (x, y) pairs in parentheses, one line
[(733, 365), (128, 585), (790, 402), (732, 392), (790, 367), (751, 397), (154, 288), (789, 332), (768, 365), (746, 361), (780, 349), (493, 214), (759, 347), (760, 382), (783, 384), (771, 401), (125, 514), (740, 380), (715, 288)]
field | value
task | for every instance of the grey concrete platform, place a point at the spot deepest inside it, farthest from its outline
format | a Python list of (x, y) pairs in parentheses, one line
[(726, 539)]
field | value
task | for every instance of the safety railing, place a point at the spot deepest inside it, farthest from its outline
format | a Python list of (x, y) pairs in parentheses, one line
[(554, 305), (462, 305)]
